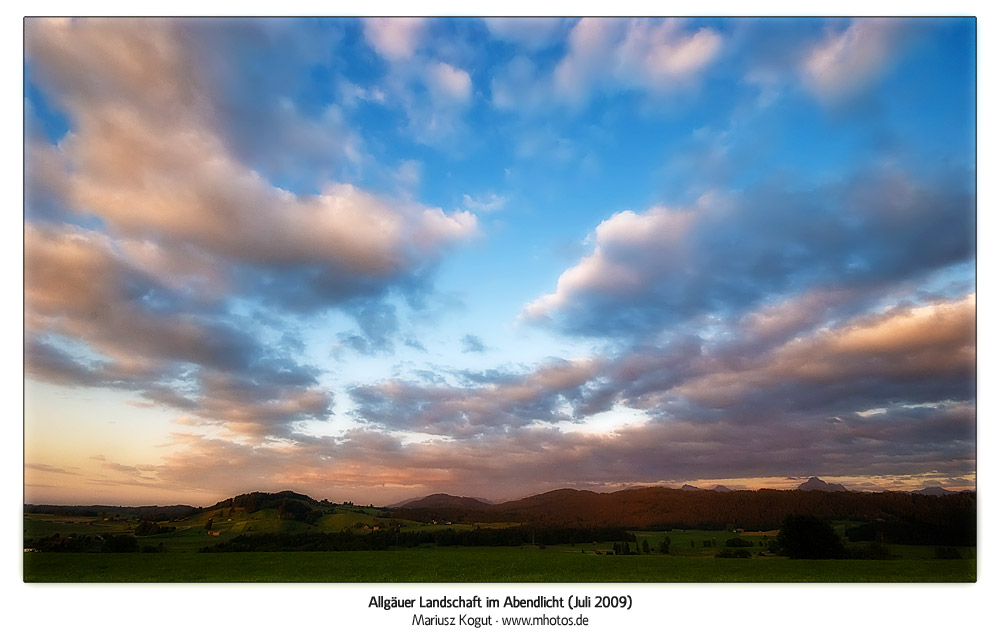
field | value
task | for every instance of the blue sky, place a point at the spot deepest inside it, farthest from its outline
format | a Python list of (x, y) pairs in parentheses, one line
[(374, 259)]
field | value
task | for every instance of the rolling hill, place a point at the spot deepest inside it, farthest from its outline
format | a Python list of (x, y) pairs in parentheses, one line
[(655, 507), (635, 508)]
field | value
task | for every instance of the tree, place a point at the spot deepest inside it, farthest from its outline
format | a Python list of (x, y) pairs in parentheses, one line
[(120, 544), (665, 545), (806, 536), (645, 546)]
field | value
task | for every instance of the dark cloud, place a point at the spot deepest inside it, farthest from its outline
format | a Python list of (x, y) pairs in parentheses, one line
[(502, 401), (891, 392), (513, 463), (266, 103), (48, 362)]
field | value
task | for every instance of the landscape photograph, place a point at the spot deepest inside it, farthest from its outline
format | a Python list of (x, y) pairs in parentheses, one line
[(503, 301)]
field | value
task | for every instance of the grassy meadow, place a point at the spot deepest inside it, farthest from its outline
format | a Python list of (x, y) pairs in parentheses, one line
[(691, 557), (474, 564)]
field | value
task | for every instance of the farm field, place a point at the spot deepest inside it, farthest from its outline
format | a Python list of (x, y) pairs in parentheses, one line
[(464, 564)]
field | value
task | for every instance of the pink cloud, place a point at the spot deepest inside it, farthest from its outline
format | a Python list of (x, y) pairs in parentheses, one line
[(395, 39), (848, 61)]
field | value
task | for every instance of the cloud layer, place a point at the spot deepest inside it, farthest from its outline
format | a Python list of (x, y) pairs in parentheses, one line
[(344, 255), (187, 229)]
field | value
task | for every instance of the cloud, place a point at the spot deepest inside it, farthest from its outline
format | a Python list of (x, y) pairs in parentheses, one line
[(607, 55), (769, 330), (497, 402), (175, 71), (138, 473), (186, 235), (637, 54), (914, 355), (182, 217), (76, 285), (883, 393), (472, 344), (519, 85), (424, 77), (93, 318), (193, 194), (887, 394), (848, 61), (149, 162), (378, 328), (408, 174), (488, 203), (448, 84), (726, 254), (47, 468), (395, 39), (531, 34), (514, 463), (663, 52)]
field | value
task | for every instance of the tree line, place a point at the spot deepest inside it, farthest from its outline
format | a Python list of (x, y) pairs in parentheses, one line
[(387, 538), (106, 543)]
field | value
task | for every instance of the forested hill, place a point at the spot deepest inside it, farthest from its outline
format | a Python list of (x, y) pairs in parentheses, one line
[(284, 501), (656, 507), (259, 500)]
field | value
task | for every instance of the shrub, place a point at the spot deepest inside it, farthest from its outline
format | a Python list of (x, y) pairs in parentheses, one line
[(738, 542)]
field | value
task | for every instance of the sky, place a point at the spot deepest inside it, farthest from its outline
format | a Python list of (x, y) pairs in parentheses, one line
[(375, 259)]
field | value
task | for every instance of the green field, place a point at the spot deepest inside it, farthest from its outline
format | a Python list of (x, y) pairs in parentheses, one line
[(464, 564), (691, 556)]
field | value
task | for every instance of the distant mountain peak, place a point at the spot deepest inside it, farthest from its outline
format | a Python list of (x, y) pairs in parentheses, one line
[(815, 484), (933, 491), (445, 501), (720, 487), (689, 487)]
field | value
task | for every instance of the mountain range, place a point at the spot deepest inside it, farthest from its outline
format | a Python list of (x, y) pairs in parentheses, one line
[(635, 507)]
